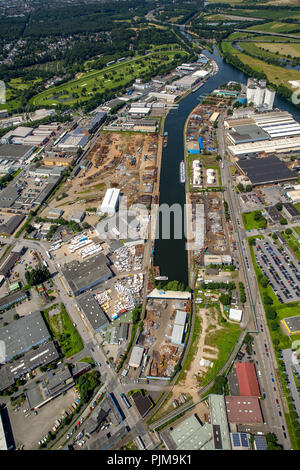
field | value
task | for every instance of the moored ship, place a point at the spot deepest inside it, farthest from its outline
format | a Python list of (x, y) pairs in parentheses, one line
[(165, 139), (182, 172)]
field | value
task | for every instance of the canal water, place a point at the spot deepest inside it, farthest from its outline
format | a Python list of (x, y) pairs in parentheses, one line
[(171, 255)]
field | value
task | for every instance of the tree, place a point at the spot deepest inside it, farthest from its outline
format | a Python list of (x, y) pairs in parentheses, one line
[(274, 325), (252, 242), (248, 188), (240, 187), (267, 300), (225, 299), (283, 221), (279, 206), (271, 314), (257, 216), (264, 281), (288, 231)]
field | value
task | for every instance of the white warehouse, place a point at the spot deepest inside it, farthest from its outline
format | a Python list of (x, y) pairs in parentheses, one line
[(111, 201)]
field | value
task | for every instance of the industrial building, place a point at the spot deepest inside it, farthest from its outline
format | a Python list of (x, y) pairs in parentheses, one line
[(192, 434), (142, 402), (111, 201), (240, 441), (281, 145), (58, 160), (136, 357), (23, 334), (15, 135), (243, 134), (8, 227), (247, 380), (54, 213), (266, 170), (235, 314), (15, 195), (274, 214), (43, 354), (12, 299), (53, 384), (291, 212), (119, 333), (292, 324), (83, 275), (243, 410), (16, 152), (78, 216), (179, 327), (259, 95), (217, 259), (93, 312), (260, 443)]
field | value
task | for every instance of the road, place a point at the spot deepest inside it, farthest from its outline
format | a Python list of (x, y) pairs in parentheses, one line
[(265, 361)]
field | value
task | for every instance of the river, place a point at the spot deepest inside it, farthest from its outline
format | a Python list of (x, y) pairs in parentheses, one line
[(171, 255)]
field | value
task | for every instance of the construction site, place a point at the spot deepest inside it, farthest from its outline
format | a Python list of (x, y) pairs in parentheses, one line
[(163, 335), (127, 161)]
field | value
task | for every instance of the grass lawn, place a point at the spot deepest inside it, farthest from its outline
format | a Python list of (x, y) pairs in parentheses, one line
[(293, 243), (256, 48), (283, 49), (277, 27), (225, 340), (297, 230), (297, 205), (109, 78), (275, 74), (266, 14), (250, 223), (63, 330)]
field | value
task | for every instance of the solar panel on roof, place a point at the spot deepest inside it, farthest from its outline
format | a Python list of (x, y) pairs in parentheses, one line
[(236, 440), (244, 439), (260, 442)]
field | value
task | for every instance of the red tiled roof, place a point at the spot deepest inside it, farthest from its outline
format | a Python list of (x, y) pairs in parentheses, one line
[(247, 379), (243, 410)]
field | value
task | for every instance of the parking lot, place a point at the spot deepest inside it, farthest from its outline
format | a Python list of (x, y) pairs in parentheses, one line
[(281, 271), (29, 428)]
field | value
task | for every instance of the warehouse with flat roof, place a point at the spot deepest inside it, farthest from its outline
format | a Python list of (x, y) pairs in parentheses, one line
[(191, 434), (23, 334), (16, 152), (43, 354), (282, 145), (93, 312), (83, 275), (266, 170), (111, 201), (292, 324), (243, 410), (136, 356)]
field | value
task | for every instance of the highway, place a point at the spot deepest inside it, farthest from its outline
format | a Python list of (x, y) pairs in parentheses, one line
[(265, 362)]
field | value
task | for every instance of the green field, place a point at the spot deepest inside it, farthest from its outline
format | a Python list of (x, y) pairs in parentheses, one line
[(275, 74), (297, 205), (64, 331), (265, 14), (225, 340), (277, 27), (293, 244), (250, 223), (111, 78), (283, 49)]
